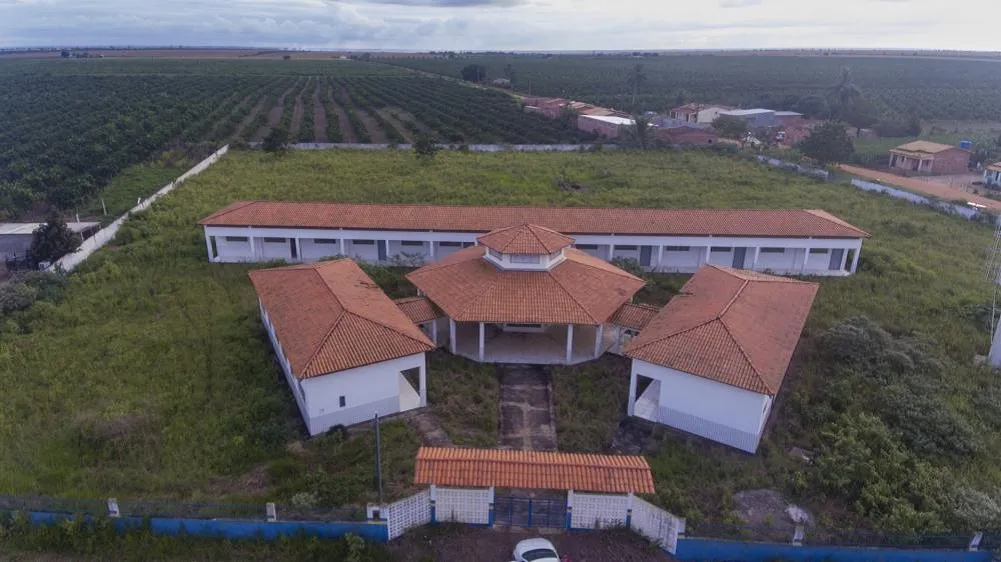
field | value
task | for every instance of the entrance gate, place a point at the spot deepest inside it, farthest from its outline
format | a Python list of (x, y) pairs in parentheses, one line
[(535, 513)]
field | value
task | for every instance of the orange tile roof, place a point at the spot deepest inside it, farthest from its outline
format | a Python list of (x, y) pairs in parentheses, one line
[(923, 147), (729, 325), (995, 167), (580, 290), (418, 309), (568, 220), (525, 239), (330, 316), (482, 468), (634, 316)]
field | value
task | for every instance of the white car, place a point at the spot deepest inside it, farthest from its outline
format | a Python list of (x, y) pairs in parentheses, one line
[(535, 550)]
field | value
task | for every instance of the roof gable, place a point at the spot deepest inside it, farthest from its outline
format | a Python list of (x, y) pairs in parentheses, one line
[(732, 326), (330, 316), (926, 147)]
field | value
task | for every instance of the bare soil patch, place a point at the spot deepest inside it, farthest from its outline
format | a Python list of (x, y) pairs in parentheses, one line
[(258, 107), (375, 133), (384, 112), (454, 543), (347, 131), (319, 118), (923, 187), (407, 117)]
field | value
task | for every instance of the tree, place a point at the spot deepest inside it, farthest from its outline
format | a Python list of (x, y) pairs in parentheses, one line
[(276, 141), (510, 73), (844, 93), (474, 72), (53, 240), (425, 147), (828, 143), (638, 134), (861, 114), (637, 79), (567, 118), (64, 54), (730, 127)]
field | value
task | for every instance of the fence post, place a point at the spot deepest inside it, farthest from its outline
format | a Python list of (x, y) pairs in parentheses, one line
[(975, 541), (629, 510), (271, 512), (434, 514), (797, 537), (569, 523), (490, 506), (113, 508)]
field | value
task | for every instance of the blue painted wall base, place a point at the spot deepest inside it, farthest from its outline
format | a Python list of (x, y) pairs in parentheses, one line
[(696, 550)]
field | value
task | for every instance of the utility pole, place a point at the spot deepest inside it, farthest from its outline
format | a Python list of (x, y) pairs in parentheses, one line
[(378, 459)]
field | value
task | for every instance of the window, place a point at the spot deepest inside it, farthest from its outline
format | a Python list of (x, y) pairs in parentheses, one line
[(818, 250), (237, 239), (466, 244), (324, 241), (524, 258), (271, 240), (773, 250), (494, 253), (417, 243), (626, 248), (523, 325), (677, 248), (343, 401), (587, 246), (721, 249), (450, 244), (364, 242)]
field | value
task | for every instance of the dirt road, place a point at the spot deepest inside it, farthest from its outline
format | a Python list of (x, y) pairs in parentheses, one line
[(923, 187)]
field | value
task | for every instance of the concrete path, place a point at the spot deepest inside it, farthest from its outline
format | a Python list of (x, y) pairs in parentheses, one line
[(527, 420), (432, 434)]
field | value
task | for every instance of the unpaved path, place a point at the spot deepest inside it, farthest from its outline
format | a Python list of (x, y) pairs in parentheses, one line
[(296, 123), (384, 112), (275, 113), (526, 416), (347, 130), (319, 117), (238, 132), (406, 116), (424, 421), (375, 133), (923, 187)]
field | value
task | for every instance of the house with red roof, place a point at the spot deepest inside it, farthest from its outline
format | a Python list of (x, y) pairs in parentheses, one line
[(712, 361)]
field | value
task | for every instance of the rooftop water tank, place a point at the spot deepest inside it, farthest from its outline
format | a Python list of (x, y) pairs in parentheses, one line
[(966, 144)]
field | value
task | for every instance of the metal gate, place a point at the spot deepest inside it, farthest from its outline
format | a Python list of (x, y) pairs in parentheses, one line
[(536, 513)]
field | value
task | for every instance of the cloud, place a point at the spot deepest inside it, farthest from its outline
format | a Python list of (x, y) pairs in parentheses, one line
[(739, 3), (447, 3)]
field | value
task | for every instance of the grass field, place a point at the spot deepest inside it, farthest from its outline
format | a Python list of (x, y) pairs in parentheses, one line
[(152, 376)]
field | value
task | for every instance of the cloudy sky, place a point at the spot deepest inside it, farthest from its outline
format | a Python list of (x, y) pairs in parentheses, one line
[(504, 24)]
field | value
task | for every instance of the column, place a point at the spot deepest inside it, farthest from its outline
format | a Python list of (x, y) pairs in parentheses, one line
[(757, 252), (298, 249), (597, 340), (432, 243), (490, 506), (208, 246), (660, 258), (631, 404), (481, 341), (451, 334), (569, 524), (569, 341), (629, 510), (611, 252), (434, 332), (855, 259), (709, 251), (253, 248), (341, 240), (806, 258), (618, 340), (844, 259), (422, 372)]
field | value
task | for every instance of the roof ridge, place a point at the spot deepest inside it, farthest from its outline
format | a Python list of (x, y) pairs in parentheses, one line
[(743, 352), (614, 269), (571, 295), (315, 268), (230, 208), (672, 334), (379, 322), (312, 356)]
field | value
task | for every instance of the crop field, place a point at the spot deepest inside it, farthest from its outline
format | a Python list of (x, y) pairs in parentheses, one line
[(149, 375), (68, 127), (930, 88)]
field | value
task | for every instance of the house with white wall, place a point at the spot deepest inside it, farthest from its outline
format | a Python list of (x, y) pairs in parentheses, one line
[(779, 241), (712, 361), (346, 350)]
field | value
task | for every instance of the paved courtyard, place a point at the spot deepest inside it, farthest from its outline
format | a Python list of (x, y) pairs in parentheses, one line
[(526, 415)]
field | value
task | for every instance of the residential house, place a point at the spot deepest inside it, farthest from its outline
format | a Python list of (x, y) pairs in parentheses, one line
[(686, 135), (755, 118), (16, 237), (712, 361), (926, 157), (605, 126), (346, 350), (701, 113), (782, 241), (992, 175)]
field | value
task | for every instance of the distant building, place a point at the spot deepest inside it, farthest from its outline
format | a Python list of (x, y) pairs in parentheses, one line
[(926, 157), (698, 112), (687, 135), (607, 126), (755, 118), (785, 118), (992, 175), (15, 237)]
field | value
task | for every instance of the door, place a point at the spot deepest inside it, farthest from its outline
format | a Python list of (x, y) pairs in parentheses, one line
[(383, 254), (738, 257), (836, 256), (646, 252), (292, 248), (535, 513)]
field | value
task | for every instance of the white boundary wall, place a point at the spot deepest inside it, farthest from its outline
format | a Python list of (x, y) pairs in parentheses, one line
[(107, 234), (462, 505), (599, 511), (408, 513), (657, 525)]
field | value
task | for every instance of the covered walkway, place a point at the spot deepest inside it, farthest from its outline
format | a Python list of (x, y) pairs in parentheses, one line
[(541, 345)]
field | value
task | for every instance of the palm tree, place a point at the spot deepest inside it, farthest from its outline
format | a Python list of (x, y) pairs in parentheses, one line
[(639, 132), (843, 94), (637, 79)]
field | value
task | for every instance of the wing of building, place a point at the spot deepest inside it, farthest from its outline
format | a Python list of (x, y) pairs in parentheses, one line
[(782, 241), (712, 361)]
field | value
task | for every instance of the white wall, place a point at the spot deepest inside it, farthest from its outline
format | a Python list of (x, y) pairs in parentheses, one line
[(309, 250), (367, 390), (719, 412), (673, 261), (286, 367)]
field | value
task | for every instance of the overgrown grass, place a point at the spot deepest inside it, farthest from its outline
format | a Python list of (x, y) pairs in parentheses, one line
[(151, 337), (464, 397), (590, 400), (136, 182)]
